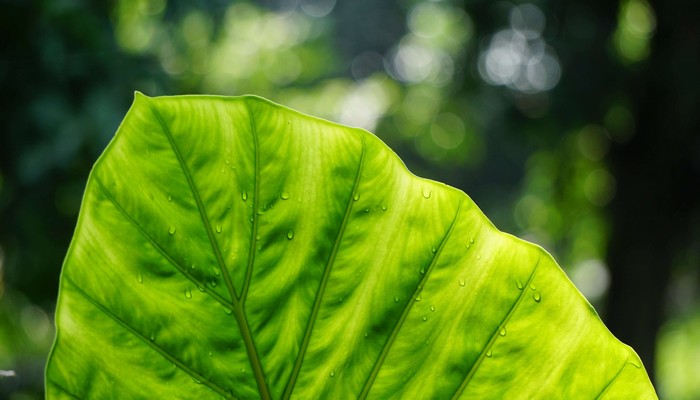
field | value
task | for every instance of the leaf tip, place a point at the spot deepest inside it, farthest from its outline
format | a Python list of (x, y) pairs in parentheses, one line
[(138, 95)]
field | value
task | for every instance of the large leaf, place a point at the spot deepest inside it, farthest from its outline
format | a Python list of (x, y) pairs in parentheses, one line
[(230, 247)]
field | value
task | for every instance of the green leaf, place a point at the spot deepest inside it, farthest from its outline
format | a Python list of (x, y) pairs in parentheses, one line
[(231, 247)]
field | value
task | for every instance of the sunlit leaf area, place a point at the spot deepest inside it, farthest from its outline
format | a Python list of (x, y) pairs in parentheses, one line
[(571, 124)]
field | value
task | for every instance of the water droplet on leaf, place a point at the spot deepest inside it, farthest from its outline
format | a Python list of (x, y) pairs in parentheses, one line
[(519, 285), (290, 234), (285, 196), (170, 199), (425, 318), (139, 278), (218, 228), (419, 297), (427, 193), (537, 297), (396, 299), (332, 374), (172, 230), (488, 353), (356, 197), (462, 282), (383, 207), (432, 308), (244, 195), (188, 293), (502, 332)]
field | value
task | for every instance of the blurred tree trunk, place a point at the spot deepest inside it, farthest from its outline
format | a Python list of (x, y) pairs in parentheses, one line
[(657, 183)]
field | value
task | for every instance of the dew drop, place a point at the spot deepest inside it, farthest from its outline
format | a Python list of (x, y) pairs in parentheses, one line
[(469, 245), (462, 282), (172, 230), (519, 285), (197, 381), (139, 278), (384, 207), (471, 240), (537, 297), (284, 196), (170, 199), (201, 289), (366, 210), (419, 297), (153, 337), (290, 234), (209, 354), (366, 335), (192, 267), (243, 370), (533, 287), (422, 270), (188, 293), (433, 249), (502, 332), (216, 271), (478, 256), (488, 353), (427, 193), (228, 311), (356, 197), (396, 299), (432, 308), (212, 283), (244, 195), (227, 161), (425, 318), (250, 219), (218, 228), (332, 374)]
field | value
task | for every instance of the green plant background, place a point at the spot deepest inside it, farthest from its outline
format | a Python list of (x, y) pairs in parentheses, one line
[(600, 169)]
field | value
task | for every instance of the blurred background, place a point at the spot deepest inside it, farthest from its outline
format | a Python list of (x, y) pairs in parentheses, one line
[(573, 124)]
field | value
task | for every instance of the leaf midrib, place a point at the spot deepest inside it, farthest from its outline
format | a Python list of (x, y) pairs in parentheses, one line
[(238, 311)]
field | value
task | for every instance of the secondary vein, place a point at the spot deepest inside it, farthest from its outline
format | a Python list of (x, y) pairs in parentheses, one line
[(324, 280), (238, 311), (495, 334), (256, 204), (194, 374), (397, 328), (160, 249)]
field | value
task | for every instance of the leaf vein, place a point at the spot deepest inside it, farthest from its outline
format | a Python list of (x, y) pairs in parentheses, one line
[(324, 279), (495, 334), (419, 288), (162, 251), (238, 311), (62, 389), (256, 204), (612, 381), (194, 374)]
